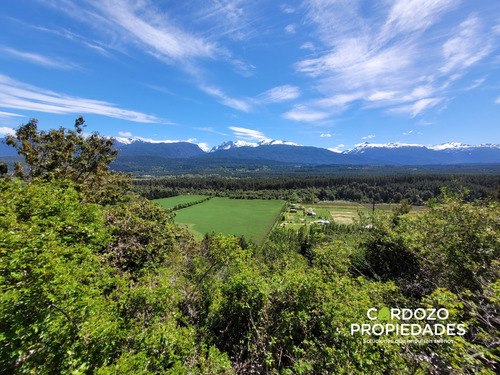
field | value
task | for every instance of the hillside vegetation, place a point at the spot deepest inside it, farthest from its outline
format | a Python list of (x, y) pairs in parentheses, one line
[(96, 280)]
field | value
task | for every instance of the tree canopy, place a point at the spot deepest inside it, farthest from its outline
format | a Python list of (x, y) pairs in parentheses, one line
[(69, 154)]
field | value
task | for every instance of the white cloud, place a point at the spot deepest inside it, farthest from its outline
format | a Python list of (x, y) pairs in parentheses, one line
[(8, 114), (408, 132), (399, 56), (478, 82), (412, 15), (210, 129), (7, 131), (382, 95), (341, 100), (337, 149), (291, 29), (325, 135), (368, 137), (248, 134), (38, 59), (280, 94), (466, 48), (424, 123), (307, 45), (304, 114), (154, 30), (418, 107), (125, 134), (498, 100), (238, 104), (226, 18), (18, 95)]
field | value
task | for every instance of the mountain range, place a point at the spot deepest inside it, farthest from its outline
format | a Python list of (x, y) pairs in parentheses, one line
[(292, 153), (186, 155)]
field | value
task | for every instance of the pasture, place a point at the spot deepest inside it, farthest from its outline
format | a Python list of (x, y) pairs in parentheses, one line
[(253, 218), (340, 212)]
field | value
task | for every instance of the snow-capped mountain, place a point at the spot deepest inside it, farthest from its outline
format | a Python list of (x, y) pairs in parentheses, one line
[(227, 145), (292, 153), (414, 154)]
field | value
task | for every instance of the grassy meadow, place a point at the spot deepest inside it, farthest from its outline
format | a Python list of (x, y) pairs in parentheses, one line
[(251, 218), (341, 212)]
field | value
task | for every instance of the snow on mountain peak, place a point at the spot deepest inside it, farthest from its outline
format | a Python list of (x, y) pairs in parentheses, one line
[(227, 145), (360, 147), (460, 146)]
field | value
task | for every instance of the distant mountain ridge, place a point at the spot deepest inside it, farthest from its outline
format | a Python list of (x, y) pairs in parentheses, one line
[(290, 153), (414, 154)]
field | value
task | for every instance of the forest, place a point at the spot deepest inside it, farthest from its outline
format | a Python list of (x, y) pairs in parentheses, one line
[(96, 279), (417, 189)]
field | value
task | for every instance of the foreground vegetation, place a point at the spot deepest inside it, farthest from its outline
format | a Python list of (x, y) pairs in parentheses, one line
[(109, 284)]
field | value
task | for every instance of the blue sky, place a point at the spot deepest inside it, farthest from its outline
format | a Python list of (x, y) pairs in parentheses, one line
[(326, 73)]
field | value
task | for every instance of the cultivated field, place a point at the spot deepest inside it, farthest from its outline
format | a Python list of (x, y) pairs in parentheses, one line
[(251, 218), (341, 212), (169, 203)]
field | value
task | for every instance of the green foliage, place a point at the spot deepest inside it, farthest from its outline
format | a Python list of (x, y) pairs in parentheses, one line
[(143, 235), (4, 169), (50, 278), (63, 309), (67, 154)]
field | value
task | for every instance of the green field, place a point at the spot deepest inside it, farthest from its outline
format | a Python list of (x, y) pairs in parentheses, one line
[(340, 212), (169, 203), (251, 218)]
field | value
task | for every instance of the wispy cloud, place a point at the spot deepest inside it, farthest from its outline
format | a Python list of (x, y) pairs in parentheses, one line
[(399, 56), (153, 30), (408, 132), (226, 18), (305, 114), (238, 104), (371, 136), (414, 15), (18, 95), (9, 114), (478, 82), (247, 134), (417, 107), (125, 134), (467, 47), (291, 29), (210, 129), (280, 94), (325, 135), (307, 45), (38, 59)]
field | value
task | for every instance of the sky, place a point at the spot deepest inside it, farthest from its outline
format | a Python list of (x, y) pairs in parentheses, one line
[(324, 73)]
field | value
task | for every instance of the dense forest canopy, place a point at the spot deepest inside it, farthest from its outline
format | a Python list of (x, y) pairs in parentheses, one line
[(111, 285), (417, 189)]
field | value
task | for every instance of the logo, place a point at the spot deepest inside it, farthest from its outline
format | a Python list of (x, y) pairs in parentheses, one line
[(408, 322)]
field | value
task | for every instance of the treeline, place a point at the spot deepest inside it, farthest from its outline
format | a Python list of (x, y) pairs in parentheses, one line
[(189, 204), (417, 189)]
